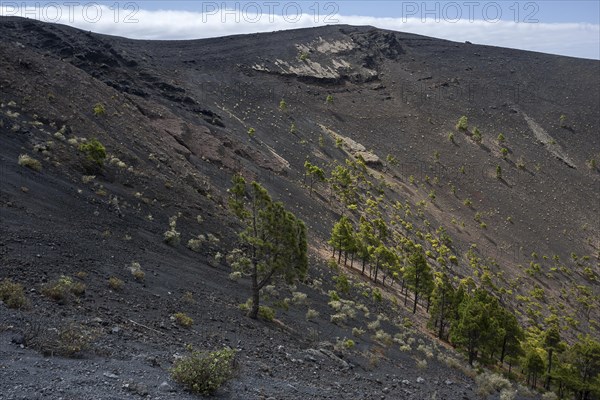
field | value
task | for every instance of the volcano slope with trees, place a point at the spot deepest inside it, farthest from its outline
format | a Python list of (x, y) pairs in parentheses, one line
[(336, 212)]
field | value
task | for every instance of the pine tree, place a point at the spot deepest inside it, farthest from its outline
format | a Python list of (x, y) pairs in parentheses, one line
[(442, 304), (273, 238), (363, 239), (551, 343), (314, 173), (512, 335), (584, 376), (418, 274), (534, 366), (342, 237), (477, 326)]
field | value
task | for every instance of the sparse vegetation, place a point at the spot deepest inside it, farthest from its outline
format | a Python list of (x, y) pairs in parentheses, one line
[(204, 372), (99, 109), (137, 272), (172, 236), (94, 151), (13, 294), (115, 283), (183, 319), (462, 124), (29, 162), (476, 135), (489, 383), (63, 288), (311, 314), (282, 105), (266, 313)]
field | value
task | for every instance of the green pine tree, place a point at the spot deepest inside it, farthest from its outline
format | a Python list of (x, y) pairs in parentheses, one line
[(272, 238)]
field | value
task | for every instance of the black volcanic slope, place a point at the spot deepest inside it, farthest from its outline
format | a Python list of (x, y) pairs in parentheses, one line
[(176, 129)]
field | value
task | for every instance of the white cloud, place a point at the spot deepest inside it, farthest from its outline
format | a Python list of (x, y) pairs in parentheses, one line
[(572, 39)]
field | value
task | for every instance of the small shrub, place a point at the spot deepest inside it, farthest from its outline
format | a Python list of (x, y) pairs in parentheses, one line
[(311, 314), (342, 284), (329, 99), (507, 394), (476, 135), (422, 364), (345, 344), (183, 319), (204, 372), (374, 325), (196, 244), (501, 138), (451, 137), (462, 123), (299, 298), (377, 296), (282, 105), (12, 294), (67, 341), (94, 151), (99, 109), (504, 152), (339, 318), (358, 332), (62, 288), (188, 297), (488, 383), (383, 337), (235, 276), (333, 296), (29, 162), (266, 313), (87, 178), (115, 283), (251, 132), (136, 271), (172, 237)]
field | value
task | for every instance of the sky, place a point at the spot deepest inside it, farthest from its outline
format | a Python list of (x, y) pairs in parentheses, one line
[(569, 28)]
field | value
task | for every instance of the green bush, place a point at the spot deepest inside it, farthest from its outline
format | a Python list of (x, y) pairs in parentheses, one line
[(204, 372), (266, 313), (462, 123), (476, 135), (377, 295), (12, 294), (94, 151), (342, 284), (99, 109), (183, 319)]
